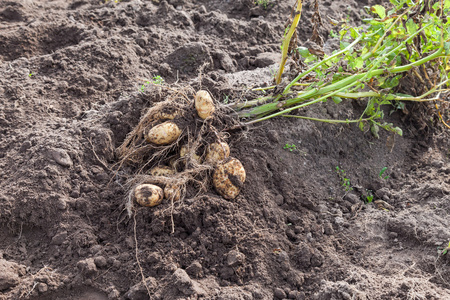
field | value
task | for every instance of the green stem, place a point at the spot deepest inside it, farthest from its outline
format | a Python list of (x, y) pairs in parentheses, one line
[(418, 62), (347, 82), (302, 105), (357, 95), (377, 45), (337, 86), (265, 88), (328, 120), (300, 76)]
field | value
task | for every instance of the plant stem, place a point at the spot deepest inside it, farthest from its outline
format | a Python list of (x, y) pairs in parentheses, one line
[(300, 76), (287, 40), (330, 121), (347, 82)]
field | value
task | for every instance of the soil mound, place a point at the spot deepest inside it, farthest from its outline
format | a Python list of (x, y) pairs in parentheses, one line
[(73, 84)]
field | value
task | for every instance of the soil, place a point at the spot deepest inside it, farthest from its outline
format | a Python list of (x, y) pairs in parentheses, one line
[(73, 85)]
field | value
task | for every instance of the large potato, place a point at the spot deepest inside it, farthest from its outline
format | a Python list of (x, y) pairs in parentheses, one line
[(216, 152), (164, 133), (204, 104), (148, 195), (162, 171), (229, 177)]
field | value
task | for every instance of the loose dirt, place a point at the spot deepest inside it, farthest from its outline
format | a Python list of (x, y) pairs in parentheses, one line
[(73, 85)]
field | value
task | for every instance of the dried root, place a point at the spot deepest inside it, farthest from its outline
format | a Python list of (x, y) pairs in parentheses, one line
[(181, 162)]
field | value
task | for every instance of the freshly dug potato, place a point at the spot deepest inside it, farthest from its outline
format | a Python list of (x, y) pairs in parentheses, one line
[(172, 192), (216, 152), (162, 171), (148, 195), (184, 151), (229, 177), (204, 104), (164, 133), (167, 114)]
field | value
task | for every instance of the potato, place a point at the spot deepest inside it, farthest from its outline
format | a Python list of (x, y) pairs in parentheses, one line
[(204, 104), (162, 171), (166, 114), (164, 133), (148, 195), (184, 151), (216, 152), (229, 177), (172, 192)]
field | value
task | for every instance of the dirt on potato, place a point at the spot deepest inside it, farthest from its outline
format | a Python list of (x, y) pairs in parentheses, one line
[(75, 80)]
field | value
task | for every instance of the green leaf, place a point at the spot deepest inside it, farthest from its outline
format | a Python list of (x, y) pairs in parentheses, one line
[(379, 10), (447, 48), (353, 33), (310, 59), (364, 51), (375, 130), (392, 82), (344, 45), (337, 100), (395, 2), (304, 52), (411, 27), (382, 171), (398, 131), (361, 126), (381, 81), (359, 63)]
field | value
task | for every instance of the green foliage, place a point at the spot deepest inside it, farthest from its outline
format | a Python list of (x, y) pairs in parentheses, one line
[(344, 181), (263, 3), (382, 172), (368, 197), (290, 147), (226, 99), (445, 250), (333, 34), (156, 80), (375, 57)]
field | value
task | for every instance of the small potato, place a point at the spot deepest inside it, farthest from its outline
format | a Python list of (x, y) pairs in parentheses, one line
[(166, 114), (164, 133), (184, 151), (162, 171), (172, 192), (216, 152), (148, 195), (204, 104), (229, 177)]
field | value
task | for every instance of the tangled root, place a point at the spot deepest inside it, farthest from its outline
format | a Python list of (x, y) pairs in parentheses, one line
[(196, 135), (135, 149)]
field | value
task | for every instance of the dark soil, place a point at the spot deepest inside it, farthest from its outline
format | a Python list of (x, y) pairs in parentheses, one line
[(71, 89)]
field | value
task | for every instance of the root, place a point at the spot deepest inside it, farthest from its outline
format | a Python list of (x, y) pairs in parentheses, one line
[(141, 156), (137, 256), (134, 148)]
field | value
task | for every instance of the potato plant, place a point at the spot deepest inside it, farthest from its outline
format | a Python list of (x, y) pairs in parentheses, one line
[(411, 39), (179, 141)]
